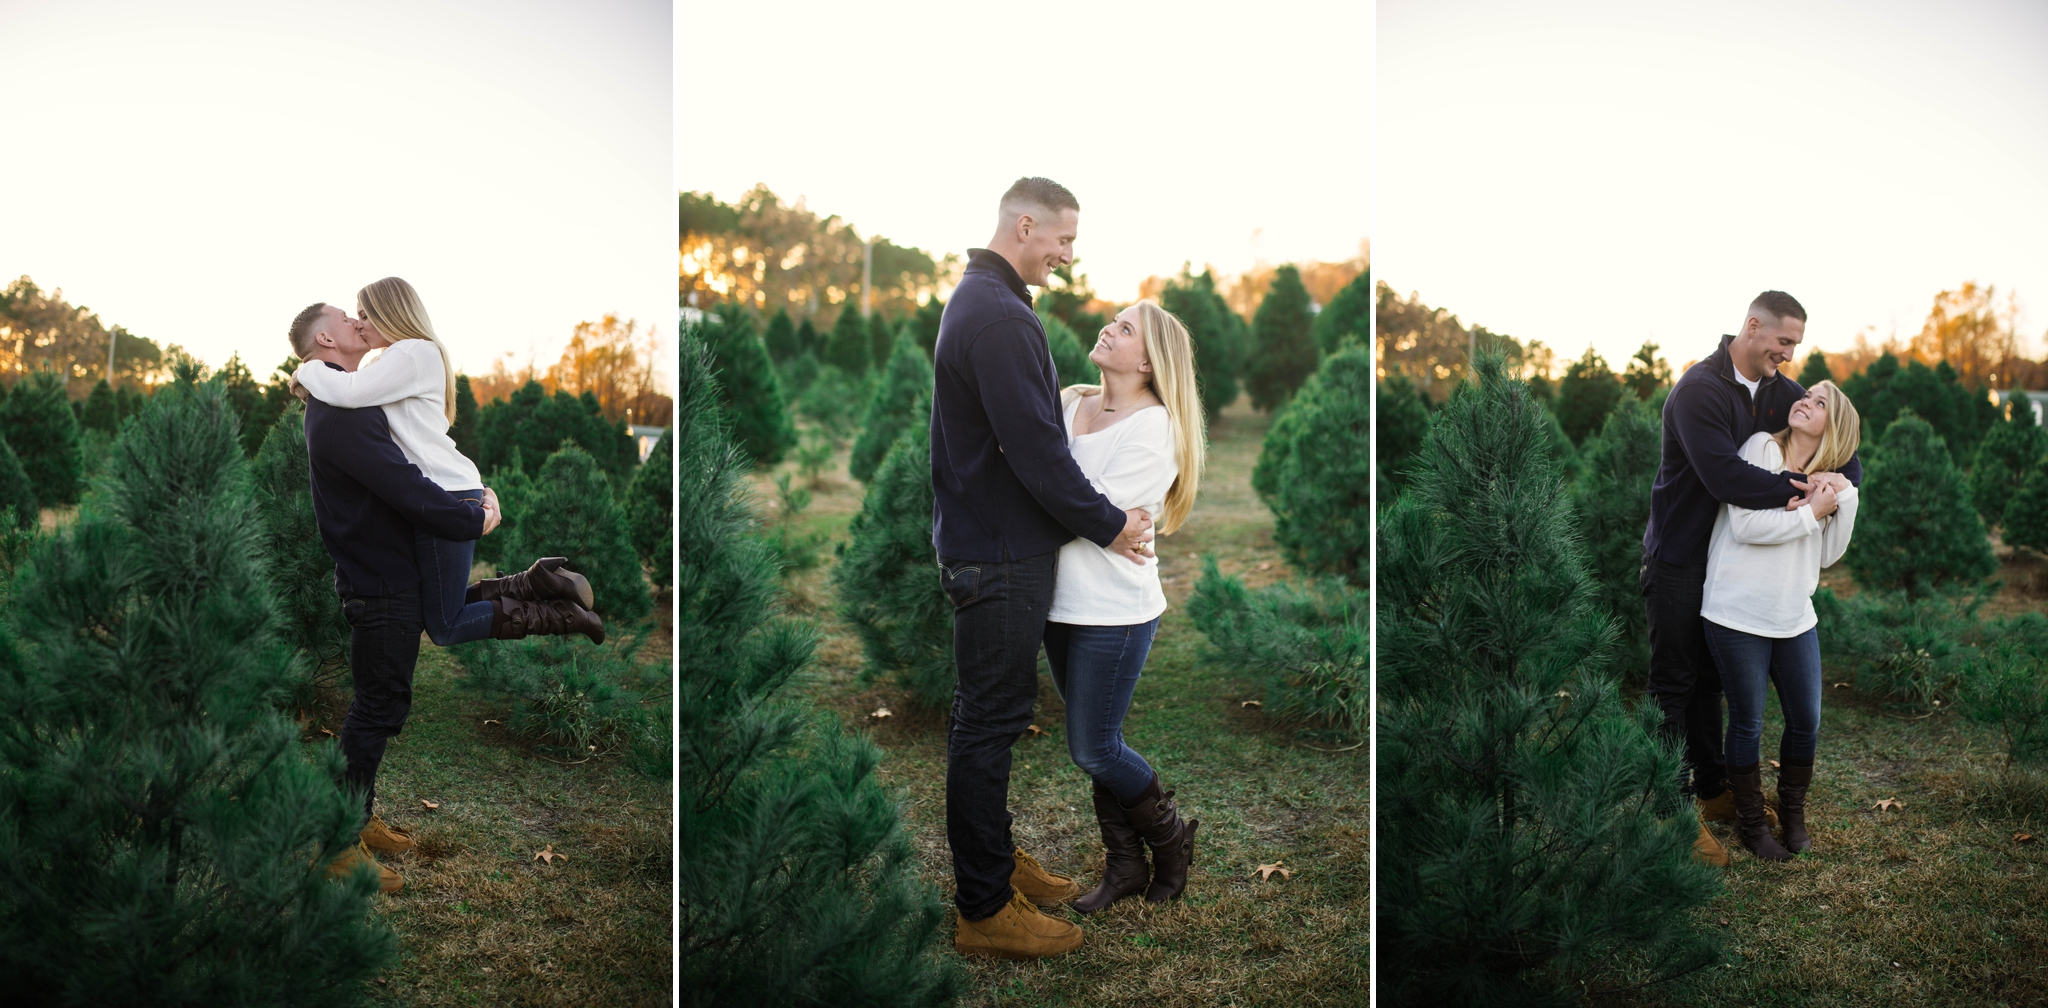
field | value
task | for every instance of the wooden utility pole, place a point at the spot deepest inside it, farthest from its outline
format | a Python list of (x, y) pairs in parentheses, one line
[(867, 274), (112, 335)]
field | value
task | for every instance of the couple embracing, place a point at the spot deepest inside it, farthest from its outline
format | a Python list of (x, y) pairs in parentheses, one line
[(1756, 492), (1045, 501), (400, 509)]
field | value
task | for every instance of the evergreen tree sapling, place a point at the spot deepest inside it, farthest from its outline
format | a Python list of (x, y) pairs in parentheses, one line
[(2009, 450), (515, 492), (796, 882), (1070, 353), (36, 419), (1403, 419), (1216, 332), (780, 337), (1646, 373), (753, 394), (2026, 515), (1588, 393), (1314, 472), (464, 430), (1816, 370), (1616, 469), (1916, 531), (574, 514), (310, 618), (846, 346), (881, 337), (1520, 843), (808, 340), (102, 411), (1284, 351), (1348, 315), (532, 424), (887, 579), (925, 323), (890, 409), (165, 831), (650, 513)]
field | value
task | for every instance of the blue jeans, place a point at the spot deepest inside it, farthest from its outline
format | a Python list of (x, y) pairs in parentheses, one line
[(1096, 668), (383, 648), (448, 607), (1748, 663)]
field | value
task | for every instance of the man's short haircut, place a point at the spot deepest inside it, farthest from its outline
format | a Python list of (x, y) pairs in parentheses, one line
[(303, 325), (1778, 305), (1033, 193)]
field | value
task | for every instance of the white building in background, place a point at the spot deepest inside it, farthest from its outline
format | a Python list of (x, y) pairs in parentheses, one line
[(2003, 399), (647, 436)]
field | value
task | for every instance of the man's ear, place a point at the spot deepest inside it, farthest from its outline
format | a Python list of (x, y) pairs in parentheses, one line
[(1025, 222)]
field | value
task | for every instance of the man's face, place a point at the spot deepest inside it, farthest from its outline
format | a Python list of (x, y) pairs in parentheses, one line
[(1048, 245), (339, 335), (1767, 344)]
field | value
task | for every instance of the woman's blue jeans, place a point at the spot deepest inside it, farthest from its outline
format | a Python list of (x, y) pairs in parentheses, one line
[(1748, 664), (1096, 669), (448, 607)]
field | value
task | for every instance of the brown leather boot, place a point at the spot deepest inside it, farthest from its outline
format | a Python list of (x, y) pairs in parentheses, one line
[(388, 881), (1792, 784), (1708, 849), (1721, 808), (1750, 826), (546, 579), (1124, 872), (1171, 838), (1040, 886), (517, 618), (379, 836), (1017, 931)]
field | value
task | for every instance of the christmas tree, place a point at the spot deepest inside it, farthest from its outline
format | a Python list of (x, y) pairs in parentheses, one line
[(886, 581), (1216, 332), (1348, 315), (780, 337), (464, 430), (1520, 845), (1313, 474), (1617, 467), (2026, 515), (846, 346), (753, 394), (102, 411), (515, 492), (1310, 643), (1069, 353), (309, 616), (2010, 448), (1284, 351), (16, 491), (796, 882), (650, 510), (1403, 420), (881, 338), (1588, 393), (925, 323), (1816, 370), (1646, 373), (36, 419), (908, 376), (532, 424), (165, 831), (1915, 529), (808, 340), (572, 513)]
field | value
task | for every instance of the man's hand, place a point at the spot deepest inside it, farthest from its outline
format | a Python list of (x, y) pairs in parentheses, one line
[(492, 514), (1135, 543), (1823, 500), (301, 391), (1836, 481)]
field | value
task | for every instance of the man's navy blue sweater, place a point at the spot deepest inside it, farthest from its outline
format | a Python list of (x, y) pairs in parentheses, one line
[(1004, 485), (1707, 417), (367, 499)]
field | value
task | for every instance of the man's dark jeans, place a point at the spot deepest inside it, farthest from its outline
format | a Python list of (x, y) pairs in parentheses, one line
[(999, 611), (384, 647), (1683, 679)]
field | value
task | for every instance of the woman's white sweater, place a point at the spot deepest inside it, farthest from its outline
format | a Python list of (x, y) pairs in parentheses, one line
[(1132, 463), (408, 381), (1762, 566)]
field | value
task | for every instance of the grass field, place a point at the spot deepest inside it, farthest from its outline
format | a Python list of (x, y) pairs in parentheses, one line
[(1264, 792)]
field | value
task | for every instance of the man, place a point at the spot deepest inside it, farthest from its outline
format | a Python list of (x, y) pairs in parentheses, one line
[(368, 500), (1717, 405), (1007, 496)]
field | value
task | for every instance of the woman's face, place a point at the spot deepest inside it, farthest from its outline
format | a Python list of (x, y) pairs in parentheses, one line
[(371, 334), (1119, 349), (1810, 414)]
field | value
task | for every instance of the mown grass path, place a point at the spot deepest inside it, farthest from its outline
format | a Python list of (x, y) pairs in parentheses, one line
[(1261, 793)]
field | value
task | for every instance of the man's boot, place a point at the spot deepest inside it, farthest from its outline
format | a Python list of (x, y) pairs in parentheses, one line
[(513, 619), (1708, 849), (379, 836), (1750, 826), (1171, 838), (1721, 808), (388, 881), (546, 579), (1039, 886), (1124, 872), (1792, 784), (1017, 931)]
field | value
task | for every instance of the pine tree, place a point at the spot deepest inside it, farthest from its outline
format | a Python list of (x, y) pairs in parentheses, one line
[(1519, 843), (1069, 354), (650, 512), (464, 431), (16, 489), (780, 338), (1588, 393), (1617, 468), (301, 573), (1646, 373), (885, 579), (2026, 515), (102, 412), (753, 393), (808, 340), (1403, 420), (1216, 332), (515, 492), (36, 420), (926, 324), (1915, 529), (256, 410), (165, 831), (532, 423), (1349, 314), (1284, 352), (1816, 370), (1313, 471), (573, 513), (891, 408), (881, 338), (846, 346), (2009, 449), (797, 374), (796, 882)]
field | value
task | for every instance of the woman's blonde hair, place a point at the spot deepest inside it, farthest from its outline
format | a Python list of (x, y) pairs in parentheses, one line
[(1838, 440), (1172, 354), (395, 308)]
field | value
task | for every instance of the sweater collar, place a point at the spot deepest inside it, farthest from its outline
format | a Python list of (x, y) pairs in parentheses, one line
[(982, 260), (1723, 364)]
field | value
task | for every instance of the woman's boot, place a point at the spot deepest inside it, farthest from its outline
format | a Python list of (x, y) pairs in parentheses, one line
[(1171, 838), (1747, 783), (513, 619), (1792, 784), (1124, 872), (546, 579)]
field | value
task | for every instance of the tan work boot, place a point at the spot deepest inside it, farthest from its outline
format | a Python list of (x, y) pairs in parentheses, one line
[(388, 881), (1721, 808), (380, 836), (1708, 849), (1017, 931), (1040, 886)]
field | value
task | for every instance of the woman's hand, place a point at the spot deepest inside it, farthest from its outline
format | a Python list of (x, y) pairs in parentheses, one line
[(492, 514), (1822, 499), (1838, 482)]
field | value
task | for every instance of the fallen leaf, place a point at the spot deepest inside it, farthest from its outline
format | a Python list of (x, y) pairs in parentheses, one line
[(431, 805), (1266, 870), (1775, 766), (1191, 556), (1252, 703), (1724, 922), (489, 721), (1888, 803), (1841, 685), (1034, 729), (881, 712), (1268, 565), (547, 857), (2023, 837), (327, 731)]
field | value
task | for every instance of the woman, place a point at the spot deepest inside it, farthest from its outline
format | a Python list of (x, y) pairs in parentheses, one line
[(414, 381), (1762, 568), (1138, 437)]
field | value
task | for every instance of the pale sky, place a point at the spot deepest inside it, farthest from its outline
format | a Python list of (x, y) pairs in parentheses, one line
[(1614, 172), (1208, 132), (200, 171)]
